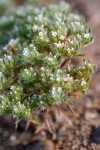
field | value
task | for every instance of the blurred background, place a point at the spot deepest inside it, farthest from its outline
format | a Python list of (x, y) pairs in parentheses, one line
[(79, 131)]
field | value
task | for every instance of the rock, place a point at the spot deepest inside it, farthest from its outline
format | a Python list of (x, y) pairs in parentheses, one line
[(95, 136), (34, 146), (91, 115), (21, 126)]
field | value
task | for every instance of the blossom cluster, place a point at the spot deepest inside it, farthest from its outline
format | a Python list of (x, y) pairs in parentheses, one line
[(36, 49)]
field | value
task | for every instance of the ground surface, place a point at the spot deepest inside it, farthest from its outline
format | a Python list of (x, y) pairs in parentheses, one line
[(80, 131)]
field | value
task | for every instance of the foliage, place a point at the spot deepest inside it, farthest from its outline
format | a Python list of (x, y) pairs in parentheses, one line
[(36, 44), (4, 6)]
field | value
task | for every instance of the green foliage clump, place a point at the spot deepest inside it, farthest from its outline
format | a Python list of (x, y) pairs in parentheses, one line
[(35, 44)]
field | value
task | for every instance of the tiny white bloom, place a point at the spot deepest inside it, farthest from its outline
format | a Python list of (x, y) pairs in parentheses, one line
[(79, 36), (51, 78), (77, 23), (43, 108), (59, 71), (9, 57), (12, 87), (58, 79), (50, 59), (10, 92), (86, 35), (68, 78), (89, 64), (69, 40), (27, 72), (85, 62), (41, 34), (31, 68), (62, 37), (69, 50), (42, 26), (35, 73), (72, 41), (1, 59), (45, 32), (13, 42), (58, 44), (65, 79), (83, 82), (42, 68), (59, 89), (1, 74), (5, 47), (54, 34), (31, 45), (53, 91), (25, 51), (35, 27)]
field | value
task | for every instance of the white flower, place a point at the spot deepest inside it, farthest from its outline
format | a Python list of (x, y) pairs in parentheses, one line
[(58, 19), (83, 82), (59, 89), (1, 60), (86, 35), (12, 87), (13, 42), (77, 23), (79, 36), (42, 76), (35, 27), (87, 63), (45, 33), (31, 68), (25, 51), (0, 74), (31, 45), (5, 47), (43, 108), (34, 73), (59, 44), (58, 79), (41, 34), (27, 71), (54, 34), (51, 78), (68, 78), (53, 91), (62, 37), (50, 59), (69, 50), (59, 71), (76, 16), (42, 68), (9, 57)]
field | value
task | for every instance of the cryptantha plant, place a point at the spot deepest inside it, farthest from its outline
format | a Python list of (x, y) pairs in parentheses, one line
[(36, 47)]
